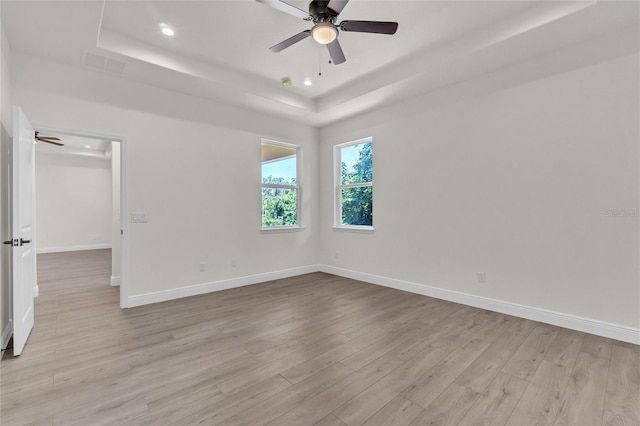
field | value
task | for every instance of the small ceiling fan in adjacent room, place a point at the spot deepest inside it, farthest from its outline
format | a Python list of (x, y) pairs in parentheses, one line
[(325, 30), (48, 139)]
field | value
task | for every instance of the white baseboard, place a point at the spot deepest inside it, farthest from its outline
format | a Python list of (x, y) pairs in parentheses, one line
[(115, 281), (6, 334), (587, 325), (600, 328), (72, 248), (194, 290)]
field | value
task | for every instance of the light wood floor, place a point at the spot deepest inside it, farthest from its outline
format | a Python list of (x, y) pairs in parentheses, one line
[(311, 350)]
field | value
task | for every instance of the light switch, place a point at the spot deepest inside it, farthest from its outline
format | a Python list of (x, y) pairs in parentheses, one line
[(139, 217)]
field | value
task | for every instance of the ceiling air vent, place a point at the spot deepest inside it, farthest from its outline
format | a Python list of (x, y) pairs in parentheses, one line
[(102, 63), (114, 66)]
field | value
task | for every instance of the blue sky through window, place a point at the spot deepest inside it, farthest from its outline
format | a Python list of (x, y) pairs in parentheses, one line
[(282, 168), (350, 156)]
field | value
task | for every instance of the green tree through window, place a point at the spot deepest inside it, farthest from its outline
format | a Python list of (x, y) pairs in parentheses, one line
[(279, 205), (356, 184), (280, 189)]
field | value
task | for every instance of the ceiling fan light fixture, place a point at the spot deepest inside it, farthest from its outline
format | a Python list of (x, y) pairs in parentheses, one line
[(324, 32)]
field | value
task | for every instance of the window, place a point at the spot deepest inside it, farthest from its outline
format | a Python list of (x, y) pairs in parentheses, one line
[(354, 184), (280, 188)]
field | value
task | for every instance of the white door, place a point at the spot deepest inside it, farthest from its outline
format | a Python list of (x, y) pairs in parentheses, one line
[(23, 250)]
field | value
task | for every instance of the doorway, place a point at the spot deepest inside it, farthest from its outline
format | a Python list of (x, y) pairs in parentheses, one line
[(105, 155)]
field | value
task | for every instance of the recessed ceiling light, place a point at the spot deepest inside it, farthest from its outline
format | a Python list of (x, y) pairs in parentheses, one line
[(308, 82), (286, 81), (166, 30), (87, 146)]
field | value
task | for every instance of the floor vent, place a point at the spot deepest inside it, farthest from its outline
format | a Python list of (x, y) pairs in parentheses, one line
[(102, 63)]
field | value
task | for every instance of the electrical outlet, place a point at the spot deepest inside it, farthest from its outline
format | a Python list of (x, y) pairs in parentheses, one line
[(482, 277), (234, 263), (139, 217), (202, 267)]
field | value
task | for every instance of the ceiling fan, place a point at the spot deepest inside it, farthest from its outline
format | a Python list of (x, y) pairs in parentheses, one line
[(48, 139), (325, 31)]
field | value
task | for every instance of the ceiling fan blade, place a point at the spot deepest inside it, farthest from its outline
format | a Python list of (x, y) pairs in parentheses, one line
[(337, 5), (377, 27), (336, 53), (51, 142), (290, 41), (287, 8)]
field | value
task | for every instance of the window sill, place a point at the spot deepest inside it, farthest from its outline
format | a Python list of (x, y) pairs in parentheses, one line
[(356, 229), (280, 229)]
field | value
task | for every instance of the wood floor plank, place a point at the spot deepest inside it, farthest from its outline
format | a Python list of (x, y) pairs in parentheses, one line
[(367, 403), (426, 339), (399, 412), (583, 400), (303, 370), (330, 420), (565, 347), (487, 366), (381, 347), (291, 397), (118, 410), (448, 408), (295, 351), (541, 401), (454, 338), (264, 371), (525, 361), (319, 406), (597, 346), (496, 403), (495, 327), (279, 351), (216, 412), (429, 386), (442, 313), (622, 402)]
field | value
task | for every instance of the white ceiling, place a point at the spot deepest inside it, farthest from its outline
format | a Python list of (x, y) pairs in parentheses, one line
[(220, 50)]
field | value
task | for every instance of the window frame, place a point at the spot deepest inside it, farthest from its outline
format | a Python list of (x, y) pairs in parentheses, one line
[(339, 186), (298, 187)]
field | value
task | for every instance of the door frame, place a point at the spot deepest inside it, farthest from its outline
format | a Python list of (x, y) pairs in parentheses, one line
[(124, 208)]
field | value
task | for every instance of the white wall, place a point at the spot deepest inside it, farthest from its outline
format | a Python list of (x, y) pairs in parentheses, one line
[(515, 183), (511, 178), (193, 166), (6, 129), (73, 202)]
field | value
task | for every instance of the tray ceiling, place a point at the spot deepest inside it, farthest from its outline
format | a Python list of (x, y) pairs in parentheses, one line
[(220, 48)]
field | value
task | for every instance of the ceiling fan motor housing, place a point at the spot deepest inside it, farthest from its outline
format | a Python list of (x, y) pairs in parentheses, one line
[(324, 13), (321, 13)]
